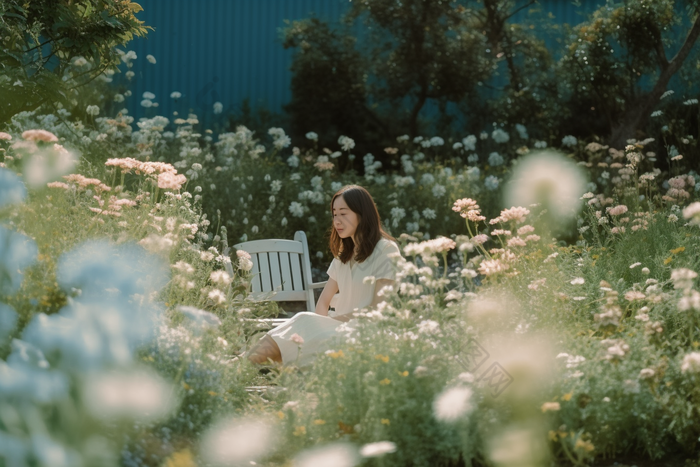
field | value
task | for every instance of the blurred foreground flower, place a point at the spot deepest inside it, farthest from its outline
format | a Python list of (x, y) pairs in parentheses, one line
[(377, 449), (237, 442), (547, 178), (337, 455), (17, 252), (133, 395), (452, 404), (12, 190)]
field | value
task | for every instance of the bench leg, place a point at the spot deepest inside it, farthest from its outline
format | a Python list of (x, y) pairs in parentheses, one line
[(265, 349)]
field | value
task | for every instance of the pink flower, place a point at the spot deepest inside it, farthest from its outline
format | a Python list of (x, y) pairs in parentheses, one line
[(617, 210), (501, 232), (171, 181), (480, 239), (516, 241), (65, 186), (297, 339), (489, 267), (526, 229), (5, 136), (467, 208), (516, 213), (39, 135)]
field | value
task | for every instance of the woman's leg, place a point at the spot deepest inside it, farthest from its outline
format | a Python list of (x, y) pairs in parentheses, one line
[(265, 349)]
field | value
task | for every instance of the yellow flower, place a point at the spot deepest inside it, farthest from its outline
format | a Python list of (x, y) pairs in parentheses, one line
[(319, 422), (385, 381), (386, 421), (552, 435), (678, 250), (180, 459), (337, 354), (585, 445), (212, 393), (668, 260), (403, 373), (299, 431), (186, 386), (384, 358), (567, 396), (280, 414)]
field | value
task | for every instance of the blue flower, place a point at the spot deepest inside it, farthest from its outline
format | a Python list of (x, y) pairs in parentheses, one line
[(17, 252), (12, 190), (8, 321), (98, 269), (491, 182)]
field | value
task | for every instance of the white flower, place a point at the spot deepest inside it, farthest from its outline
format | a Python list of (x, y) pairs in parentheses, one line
[(690, 102), (438, 190), (495, 159), (522, 131), (237, 442), (151, 59), (293, 161), (436, 141), (500, 136), (335, 455), (429, 213), (469, 143), (312, 136), (136, 395), (547, 178), (346, 143), (218, 107), (691, 363), (146, 103), (93, 110), (217, 296), (540, 144), (569, 141), (632, 266), (220, 277), (452, 404), (377, 449), (175, 95), (149, 95), (578, 281), (297, 209)]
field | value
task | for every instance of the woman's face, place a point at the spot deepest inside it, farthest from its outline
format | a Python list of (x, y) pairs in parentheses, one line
[(345, 221)]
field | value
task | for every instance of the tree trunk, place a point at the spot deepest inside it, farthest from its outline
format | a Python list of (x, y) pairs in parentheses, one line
[(639, 113)]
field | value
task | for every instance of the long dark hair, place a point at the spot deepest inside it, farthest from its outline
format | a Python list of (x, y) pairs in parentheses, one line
[(369, 229)]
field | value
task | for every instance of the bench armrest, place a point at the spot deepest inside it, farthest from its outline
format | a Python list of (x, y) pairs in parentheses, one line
[(317, 285)]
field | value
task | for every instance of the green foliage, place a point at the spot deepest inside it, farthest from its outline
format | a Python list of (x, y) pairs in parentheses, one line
[(41, 38)]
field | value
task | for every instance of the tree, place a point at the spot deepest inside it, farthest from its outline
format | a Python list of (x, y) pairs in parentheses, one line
[(409, 53), (617, 68), (40, 38)]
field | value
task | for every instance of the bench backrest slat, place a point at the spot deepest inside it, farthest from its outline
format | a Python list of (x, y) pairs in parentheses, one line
[(281, 266)]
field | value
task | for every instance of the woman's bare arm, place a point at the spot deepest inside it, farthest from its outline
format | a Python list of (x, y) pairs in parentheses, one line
[(324, 301)]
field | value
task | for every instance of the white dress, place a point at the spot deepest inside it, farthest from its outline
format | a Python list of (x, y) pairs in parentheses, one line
[(353, 294)]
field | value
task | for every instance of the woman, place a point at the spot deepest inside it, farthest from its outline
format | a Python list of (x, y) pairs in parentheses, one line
[(361, 249)]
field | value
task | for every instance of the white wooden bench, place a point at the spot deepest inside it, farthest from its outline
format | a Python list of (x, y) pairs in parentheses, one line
[(281, 272)]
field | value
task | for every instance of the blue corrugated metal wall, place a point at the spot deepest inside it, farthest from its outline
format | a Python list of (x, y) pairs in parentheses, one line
[(229, 50)]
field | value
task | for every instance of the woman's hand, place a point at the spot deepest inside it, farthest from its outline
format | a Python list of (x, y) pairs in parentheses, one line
[(324, 301)]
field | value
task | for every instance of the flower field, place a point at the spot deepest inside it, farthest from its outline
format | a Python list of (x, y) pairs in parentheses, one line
[(546, 308)]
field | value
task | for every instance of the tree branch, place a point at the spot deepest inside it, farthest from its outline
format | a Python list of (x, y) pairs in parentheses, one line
[(520, 9)]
